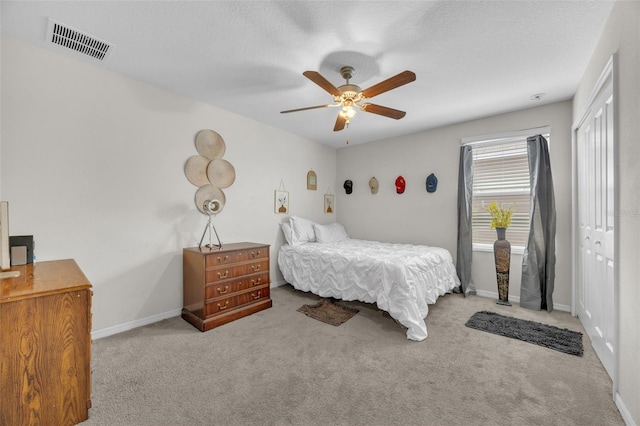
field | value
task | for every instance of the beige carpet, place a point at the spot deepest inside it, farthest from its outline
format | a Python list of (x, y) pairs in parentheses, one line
[(279, 367)]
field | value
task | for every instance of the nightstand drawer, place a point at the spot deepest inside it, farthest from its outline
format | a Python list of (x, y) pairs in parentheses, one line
[(261, 253), (236, 257), (226, 258), (227, 288), (233, 271), (229, 303)]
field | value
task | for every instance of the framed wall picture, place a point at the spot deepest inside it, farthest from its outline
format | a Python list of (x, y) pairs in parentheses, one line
[(281, 202), (312, 180), (328, 203)]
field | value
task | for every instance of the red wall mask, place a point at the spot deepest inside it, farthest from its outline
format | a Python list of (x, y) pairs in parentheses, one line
[(400, 184)]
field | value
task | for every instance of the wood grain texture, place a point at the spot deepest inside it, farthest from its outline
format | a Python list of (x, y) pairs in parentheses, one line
[(45, 352)]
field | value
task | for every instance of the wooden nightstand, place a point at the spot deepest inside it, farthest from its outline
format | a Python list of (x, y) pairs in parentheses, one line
[(223, 284)]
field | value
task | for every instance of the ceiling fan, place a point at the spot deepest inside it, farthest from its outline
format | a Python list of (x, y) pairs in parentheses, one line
[(348, 96)]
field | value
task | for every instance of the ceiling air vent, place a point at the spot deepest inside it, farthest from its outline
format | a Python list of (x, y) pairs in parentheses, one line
[(78, 41)]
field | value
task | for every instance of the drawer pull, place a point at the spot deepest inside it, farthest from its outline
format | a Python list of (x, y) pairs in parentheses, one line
[(226, 274), (256, 282), (221, 260), (255, 267), (226, 288), (255, 253), (226, 305), (256, 296)]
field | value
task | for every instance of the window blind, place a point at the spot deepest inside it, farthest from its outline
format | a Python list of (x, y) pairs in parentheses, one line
[(501, 174)]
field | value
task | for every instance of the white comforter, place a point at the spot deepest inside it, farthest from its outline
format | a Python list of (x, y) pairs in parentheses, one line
[(401, 279)]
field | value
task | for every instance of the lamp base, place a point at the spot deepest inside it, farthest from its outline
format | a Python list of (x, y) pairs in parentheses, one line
[(212, 230)]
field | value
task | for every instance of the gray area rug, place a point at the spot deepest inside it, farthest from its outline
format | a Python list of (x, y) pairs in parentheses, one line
[(559, 339), (328, 312)]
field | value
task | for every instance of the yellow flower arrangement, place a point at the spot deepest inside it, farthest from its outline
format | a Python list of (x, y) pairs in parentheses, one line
[(500, 217)]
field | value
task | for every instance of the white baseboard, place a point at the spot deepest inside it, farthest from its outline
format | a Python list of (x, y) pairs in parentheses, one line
[(626, 416), (109, 331), (515, 299), (104, 332)]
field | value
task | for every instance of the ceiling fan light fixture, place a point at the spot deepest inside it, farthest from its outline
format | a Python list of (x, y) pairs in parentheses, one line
[(348, 112)]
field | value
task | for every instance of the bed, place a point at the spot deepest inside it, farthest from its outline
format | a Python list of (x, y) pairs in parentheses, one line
[(401, 279)]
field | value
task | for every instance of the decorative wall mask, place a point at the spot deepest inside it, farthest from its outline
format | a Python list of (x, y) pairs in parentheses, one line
[(348, 186), (400, 184), (432, 183)]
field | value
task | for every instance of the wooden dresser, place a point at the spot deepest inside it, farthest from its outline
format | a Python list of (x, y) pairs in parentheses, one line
[(45, 345), (223, 284)]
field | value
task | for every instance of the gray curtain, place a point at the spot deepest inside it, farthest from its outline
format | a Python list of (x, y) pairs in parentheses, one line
[(539, 259), (465, 248)]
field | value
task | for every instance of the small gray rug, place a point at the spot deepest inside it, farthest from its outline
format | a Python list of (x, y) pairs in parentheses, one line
[(559, 339)]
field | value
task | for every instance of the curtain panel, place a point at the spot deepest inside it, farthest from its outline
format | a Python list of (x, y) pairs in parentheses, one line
[(465, 200), (539, 259)]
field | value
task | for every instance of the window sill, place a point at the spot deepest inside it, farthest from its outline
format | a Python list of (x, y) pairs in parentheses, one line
[(489, 248)]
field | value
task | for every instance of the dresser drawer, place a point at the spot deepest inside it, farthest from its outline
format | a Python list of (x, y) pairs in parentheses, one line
[(233, 271), (227, 288), (218, 259), (213, 260), (226, 304)]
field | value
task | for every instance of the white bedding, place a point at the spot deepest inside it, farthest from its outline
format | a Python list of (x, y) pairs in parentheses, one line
[(401, 279)]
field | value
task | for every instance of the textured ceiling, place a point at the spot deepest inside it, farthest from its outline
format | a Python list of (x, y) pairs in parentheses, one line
[(472, 58)]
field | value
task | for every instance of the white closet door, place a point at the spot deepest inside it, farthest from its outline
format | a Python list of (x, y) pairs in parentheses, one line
[(596, 220)]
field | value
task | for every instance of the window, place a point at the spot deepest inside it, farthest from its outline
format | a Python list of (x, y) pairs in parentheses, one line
[(501, 174)]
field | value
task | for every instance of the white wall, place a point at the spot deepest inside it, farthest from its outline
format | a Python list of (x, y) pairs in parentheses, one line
[(92, 165), (431, 218), (622, 36)]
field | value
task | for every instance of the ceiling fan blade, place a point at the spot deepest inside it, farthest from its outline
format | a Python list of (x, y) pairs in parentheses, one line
[(304, 109), (383, 110), (390, 83), (322, 82), (341, 121)]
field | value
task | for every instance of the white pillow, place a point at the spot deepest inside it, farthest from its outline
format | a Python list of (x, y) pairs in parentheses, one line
[(286, 230), (331, 233), (302, 230)]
